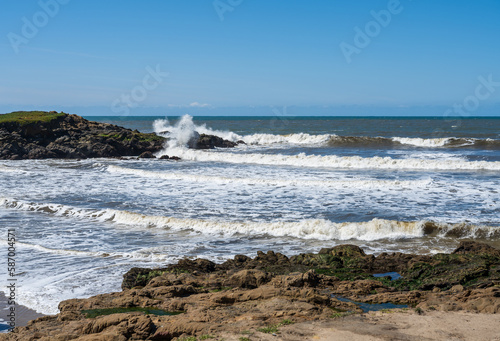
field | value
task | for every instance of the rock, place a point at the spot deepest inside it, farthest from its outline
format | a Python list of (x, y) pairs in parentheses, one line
[(147, 155), (469, 247), (457, 288), (164, 157), (204, 141), (247, 293), (248, 279), (71, 137)]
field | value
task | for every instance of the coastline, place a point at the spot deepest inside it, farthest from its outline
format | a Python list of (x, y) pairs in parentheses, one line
[(313, 296)]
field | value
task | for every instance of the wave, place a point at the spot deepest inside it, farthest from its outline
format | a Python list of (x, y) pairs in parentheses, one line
[(61, 251), (300, 138), (444, 142), (7, 169), (332, 161), (143, 254), (318, 229), (271, 182), (180, 134)]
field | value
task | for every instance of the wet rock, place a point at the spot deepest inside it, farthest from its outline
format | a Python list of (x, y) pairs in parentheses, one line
[(469, 247), (147, 155), (204, 141)]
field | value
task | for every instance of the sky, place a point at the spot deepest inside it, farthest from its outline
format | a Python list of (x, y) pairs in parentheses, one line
[(243, 57)]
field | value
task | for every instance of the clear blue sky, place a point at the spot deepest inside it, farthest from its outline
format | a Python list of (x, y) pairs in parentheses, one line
[(89, 54)]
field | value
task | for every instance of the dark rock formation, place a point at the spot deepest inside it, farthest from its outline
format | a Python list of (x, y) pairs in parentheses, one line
[(72, 137), (203, 141)]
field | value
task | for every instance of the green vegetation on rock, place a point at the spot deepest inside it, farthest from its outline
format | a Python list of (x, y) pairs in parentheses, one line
[(91, 313), (151, 137), (275, 327), (27, 117)]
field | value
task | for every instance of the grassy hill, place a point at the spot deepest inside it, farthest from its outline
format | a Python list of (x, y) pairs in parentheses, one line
[(26, 117)]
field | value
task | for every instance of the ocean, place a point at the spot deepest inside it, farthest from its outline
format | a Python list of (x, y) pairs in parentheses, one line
[(298, 184)]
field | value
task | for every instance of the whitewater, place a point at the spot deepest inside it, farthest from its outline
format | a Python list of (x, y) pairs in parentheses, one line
[(291, 185)]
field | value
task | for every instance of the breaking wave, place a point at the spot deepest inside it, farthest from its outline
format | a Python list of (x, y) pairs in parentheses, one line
[(145, 254), (333, 161), (185, 129), (444, 142), (13, 170), (318, 229)]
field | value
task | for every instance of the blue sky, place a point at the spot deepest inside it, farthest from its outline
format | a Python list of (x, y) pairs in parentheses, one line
[(246, 57)]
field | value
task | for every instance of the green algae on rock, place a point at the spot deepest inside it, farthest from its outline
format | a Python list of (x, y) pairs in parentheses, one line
[(92, 313)]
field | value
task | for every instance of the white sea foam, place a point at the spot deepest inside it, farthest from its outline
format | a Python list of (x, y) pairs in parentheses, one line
[(318, 229), (331, 161), (301, 139), (12, 170), (180, 133), (184, 130), (55, 209), (142, 255), (372, 183), (421, 142)]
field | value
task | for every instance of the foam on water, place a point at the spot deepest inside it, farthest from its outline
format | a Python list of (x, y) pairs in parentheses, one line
[(300, 139), (330, 161), (12, 170), (180, 133), (150, 254), (271, 182), (318, 229), (421, 142)]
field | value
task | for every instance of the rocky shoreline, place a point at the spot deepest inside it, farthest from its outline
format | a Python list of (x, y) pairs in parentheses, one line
[(45, 135), (198, 299)]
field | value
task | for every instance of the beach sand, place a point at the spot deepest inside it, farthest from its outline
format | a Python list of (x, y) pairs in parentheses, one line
[(390, 325)]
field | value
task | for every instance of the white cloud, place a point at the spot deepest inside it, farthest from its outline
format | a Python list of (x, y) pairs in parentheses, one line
[(199, 105)]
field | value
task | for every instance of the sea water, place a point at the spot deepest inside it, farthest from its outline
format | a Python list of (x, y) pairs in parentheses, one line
[(415, 185)]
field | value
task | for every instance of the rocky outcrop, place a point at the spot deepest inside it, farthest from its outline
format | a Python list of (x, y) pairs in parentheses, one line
[(469, 264), (198, 297), (72, 137), (204, 141), (45, 135)]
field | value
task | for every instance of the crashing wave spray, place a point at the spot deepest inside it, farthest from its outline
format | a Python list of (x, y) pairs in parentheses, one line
[(180, 134)]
